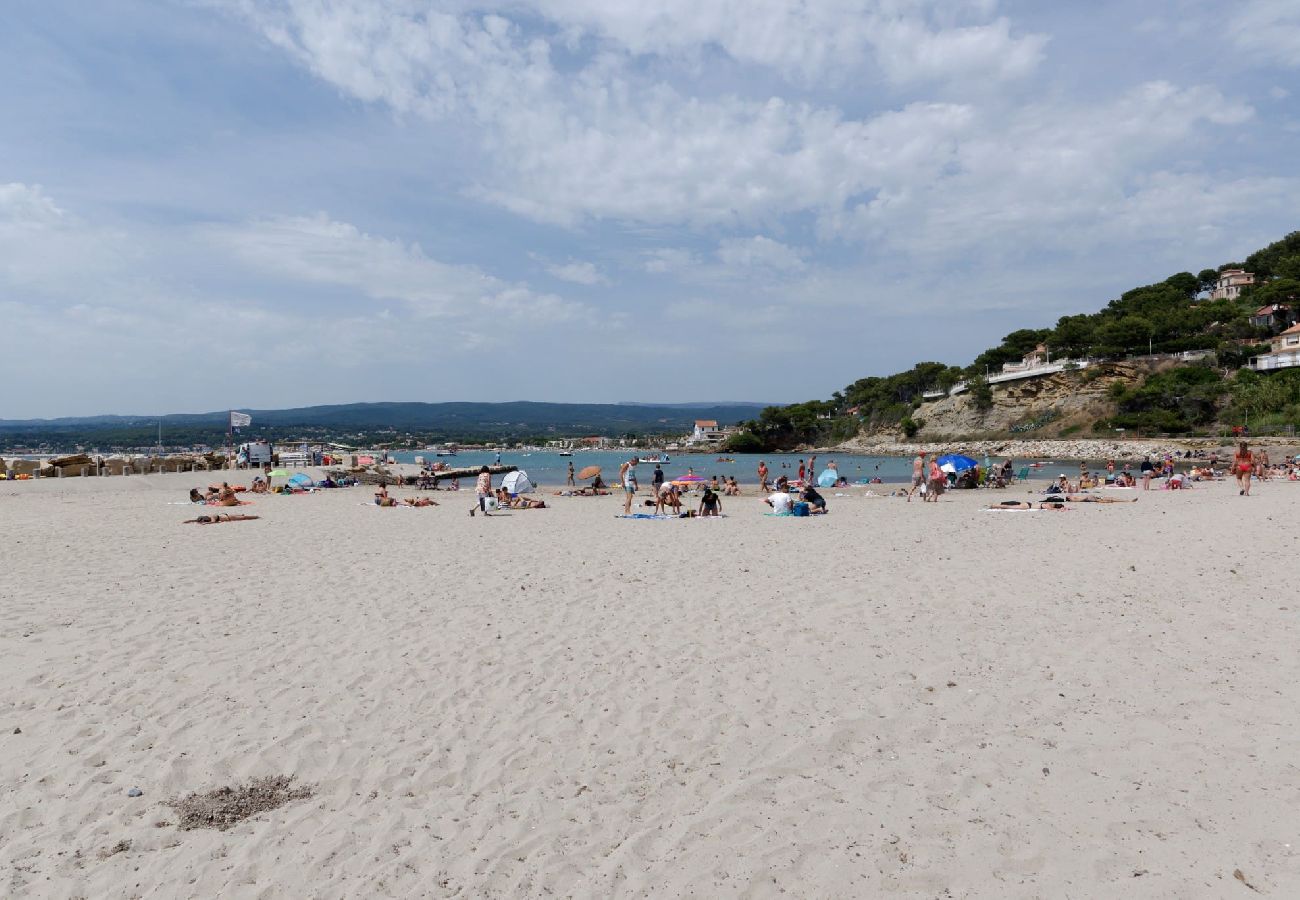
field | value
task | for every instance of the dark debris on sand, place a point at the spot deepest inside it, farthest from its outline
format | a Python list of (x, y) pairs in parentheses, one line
[(227, 806)]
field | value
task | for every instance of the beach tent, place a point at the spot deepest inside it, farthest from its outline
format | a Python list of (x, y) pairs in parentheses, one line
[(828, 478), (517, 482), (301, 480)]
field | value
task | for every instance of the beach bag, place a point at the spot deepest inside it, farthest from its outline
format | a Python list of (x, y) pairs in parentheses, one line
[(800, 508)]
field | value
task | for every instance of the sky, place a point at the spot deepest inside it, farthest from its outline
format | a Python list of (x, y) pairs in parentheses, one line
[(208, 204)]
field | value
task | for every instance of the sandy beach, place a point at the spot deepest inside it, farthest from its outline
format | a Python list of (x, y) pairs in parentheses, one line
[(895, 699)]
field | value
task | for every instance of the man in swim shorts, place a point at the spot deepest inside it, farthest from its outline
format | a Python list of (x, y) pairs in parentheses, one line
[(918, 474), (627, 478)]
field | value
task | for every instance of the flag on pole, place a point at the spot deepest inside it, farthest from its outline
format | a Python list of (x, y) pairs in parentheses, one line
[(239, 420)]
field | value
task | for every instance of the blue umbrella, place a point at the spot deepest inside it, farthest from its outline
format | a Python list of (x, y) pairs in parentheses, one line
[(958, 462)]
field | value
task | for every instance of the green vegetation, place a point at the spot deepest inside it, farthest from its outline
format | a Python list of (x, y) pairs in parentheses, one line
[(1174, 401), (1160, 318), (1271, 399)]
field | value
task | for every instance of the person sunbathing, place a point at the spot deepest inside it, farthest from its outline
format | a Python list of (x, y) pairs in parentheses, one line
[(732, 489), (526, 503), (196, 497), (419, 501), (382, 498), (1022, 504), (260, 486), (217, 519)]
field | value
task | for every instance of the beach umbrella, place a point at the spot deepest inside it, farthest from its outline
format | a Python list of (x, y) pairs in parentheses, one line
[(957, 462), (517, 482), (279, 473), (689, 479), (589, 472), (828, 478)]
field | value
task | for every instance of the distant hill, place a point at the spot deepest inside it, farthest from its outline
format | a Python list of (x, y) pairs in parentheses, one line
[(430, 421)]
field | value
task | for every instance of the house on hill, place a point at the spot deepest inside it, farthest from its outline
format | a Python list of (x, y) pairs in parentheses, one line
[(1274, 316), (1285, 352), (1230, 283), (707, 432), (1034, 359)]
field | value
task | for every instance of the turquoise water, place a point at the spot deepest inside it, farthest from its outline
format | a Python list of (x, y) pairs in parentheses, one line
[(549, 468)]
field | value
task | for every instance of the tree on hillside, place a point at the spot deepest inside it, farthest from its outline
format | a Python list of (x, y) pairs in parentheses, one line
[(1272, 259), (1185, 283)]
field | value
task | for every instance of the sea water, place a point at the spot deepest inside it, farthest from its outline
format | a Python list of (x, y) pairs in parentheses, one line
[(547, 467)]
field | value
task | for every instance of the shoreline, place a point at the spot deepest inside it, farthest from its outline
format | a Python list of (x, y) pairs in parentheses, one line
[(1088, 449)]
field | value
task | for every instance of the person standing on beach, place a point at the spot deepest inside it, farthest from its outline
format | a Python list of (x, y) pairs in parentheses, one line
[(762, 475), (482, 490), (802, 470), (1243, 466), (918, 476), (812, 469), (571, 481), (627, 478), (657, 481), (1147, 471)]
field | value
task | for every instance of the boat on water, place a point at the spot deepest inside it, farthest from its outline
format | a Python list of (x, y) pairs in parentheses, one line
[(654, 459), (724, 459), (565, 453), (444, 453)]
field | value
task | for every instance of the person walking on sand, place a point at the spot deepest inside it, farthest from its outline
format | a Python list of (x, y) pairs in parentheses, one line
[(482, 490), (937, 481), (762, 475), (571, 481), (1243, 466), (627, 478), (1148, 469), (918, 476)]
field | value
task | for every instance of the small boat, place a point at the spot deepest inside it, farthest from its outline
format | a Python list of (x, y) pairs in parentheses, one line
[(653, 460), (444, 453), (566, 453), (724, 459)]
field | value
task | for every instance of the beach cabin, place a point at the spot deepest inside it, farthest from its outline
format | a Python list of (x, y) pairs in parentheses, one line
[(1285, 352)]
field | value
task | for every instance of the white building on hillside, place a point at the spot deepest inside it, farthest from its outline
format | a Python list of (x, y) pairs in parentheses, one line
[(1285, 355), (707, 432), (1230, 283)]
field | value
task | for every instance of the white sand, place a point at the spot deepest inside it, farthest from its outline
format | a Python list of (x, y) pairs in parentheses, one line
[(894, 699)]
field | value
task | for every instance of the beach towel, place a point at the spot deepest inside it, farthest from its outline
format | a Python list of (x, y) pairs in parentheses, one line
[(642, 516)]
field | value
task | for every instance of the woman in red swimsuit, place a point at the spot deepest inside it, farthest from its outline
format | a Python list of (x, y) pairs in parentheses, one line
[(1243, 464)]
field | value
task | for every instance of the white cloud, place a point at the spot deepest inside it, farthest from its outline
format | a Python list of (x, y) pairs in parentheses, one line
[(909, 40), (668, 260), (1266, 30), (317, 249), (759, 252), (27, 206), (577, 272), (1047, 176)]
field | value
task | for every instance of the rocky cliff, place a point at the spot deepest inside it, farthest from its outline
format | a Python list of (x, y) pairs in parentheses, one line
[(1047, 407)]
